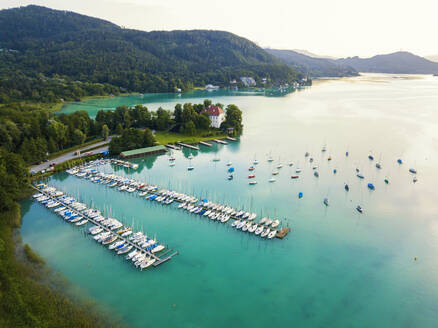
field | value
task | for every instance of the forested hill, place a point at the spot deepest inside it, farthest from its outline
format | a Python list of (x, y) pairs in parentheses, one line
[(57, 48), (315, 67), (401, 62)]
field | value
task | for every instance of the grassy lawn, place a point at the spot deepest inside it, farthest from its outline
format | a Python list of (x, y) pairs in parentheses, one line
[(165, 138), (72, 149)]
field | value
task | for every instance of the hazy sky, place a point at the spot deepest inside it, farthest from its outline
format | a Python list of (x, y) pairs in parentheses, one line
[(327, 27)]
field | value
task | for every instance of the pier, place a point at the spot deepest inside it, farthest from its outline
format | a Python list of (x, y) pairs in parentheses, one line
[(231, 138), (188, 146), (158, 260), (219, 213)]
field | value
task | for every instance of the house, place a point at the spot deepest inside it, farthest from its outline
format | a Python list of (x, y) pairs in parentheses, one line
[(248, 81), (215, 114)]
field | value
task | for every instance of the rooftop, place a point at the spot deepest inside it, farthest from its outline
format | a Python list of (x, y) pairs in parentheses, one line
[(213, 110), (143, 151)]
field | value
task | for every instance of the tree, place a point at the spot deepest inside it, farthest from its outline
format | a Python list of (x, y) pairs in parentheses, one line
[(203, 122), (189, 128), (207, 102), (177, 113), (233, 119), (119, 129), (78, 137), (148, 138), (105, 131)]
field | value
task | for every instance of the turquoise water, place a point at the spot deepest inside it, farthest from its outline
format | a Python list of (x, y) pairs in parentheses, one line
[(154, 100), (337, 268)]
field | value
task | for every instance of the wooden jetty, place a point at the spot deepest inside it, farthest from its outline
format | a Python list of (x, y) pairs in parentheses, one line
[(220, 142), (173, 147), (158, 260), (282, 233), (188, 146), (205, 143), (231, 138)]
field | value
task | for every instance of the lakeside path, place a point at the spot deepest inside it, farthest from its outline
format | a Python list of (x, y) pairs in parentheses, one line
[(70, 155)]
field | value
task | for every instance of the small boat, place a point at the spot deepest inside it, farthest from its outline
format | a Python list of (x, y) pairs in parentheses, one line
[(229, 163), (346, 187), (324, 148), (316, 174), (413, 171), (300, 195), (371, 157), (253, 228), (255, 162), (275, 173), (359, 209), (291, 164), (314, 167), (251, 168), (414, 180), (270, 159), (360, 175), (371, 186), (258, 230), (346, 153), (399, 161), (329, 158), (190, 168), (306, 154), (216, 159), (251, 176), (190, 156), (230, 177), (275, 223), (335, 171), (298, 170), (272, 180), (378, 165), (386, 181), (263, 220), (253, 182), (294, 177), (326, 201), (357, 170), (279, 166), (171, 163), (268, 222), (311, 160)]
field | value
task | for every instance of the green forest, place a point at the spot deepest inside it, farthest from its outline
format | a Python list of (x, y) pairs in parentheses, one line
[(47, 55)]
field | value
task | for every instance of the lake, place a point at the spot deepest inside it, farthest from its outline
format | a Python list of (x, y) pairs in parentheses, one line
[(336, 268)]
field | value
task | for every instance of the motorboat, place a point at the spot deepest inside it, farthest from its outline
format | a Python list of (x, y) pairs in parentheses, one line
[(229, 163), (346, 187), (316, 174), (326, 201), (272, 180), (298, 170), (279, 166), (300, 195), (272, 234), (275, 173), (294, 177), (370, 157), (253, 182), (291, 164), (371, 186), (251, 176), (386, 180), (360, 175), (399, 161), (413, 171), (265, 233), (378, 165), (359, 209), (251, 168), (190, 168)]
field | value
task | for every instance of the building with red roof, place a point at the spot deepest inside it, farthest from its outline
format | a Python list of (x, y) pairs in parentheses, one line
[(215, 114)]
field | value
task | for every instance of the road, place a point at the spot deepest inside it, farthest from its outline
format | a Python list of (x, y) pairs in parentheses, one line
[(70, 155)]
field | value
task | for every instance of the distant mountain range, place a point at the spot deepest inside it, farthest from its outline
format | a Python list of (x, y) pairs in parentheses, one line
[(398, 63), (315, 67), (433, 58)]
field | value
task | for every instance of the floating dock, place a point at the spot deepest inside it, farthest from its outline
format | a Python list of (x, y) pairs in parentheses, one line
[(158, 260), (205, 143), (173, 147), (220, 142), (188, 146), (231, 139)]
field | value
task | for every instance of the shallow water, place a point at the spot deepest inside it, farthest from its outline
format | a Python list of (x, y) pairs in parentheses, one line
[(337, 268)]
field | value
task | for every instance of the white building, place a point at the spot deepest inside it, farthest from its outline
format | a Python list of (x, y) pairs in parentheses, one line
[(216, 115)]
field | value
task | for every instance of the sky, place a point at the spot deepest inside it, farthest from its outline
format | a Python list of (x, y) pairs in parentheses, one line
[(338, 28)]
